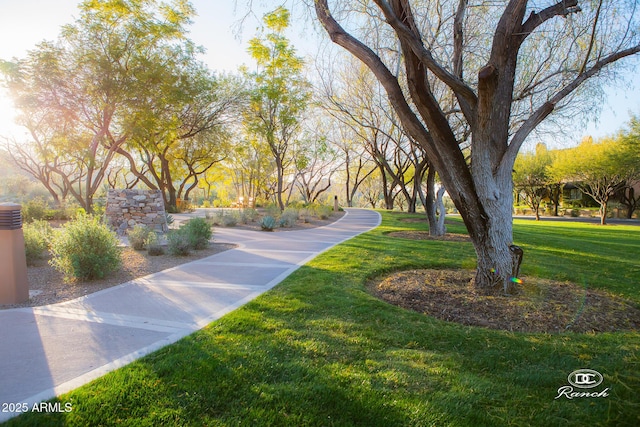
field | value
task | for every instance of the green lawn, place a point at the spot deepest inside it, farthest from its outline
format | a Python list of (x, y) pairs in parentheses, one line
[(319, 350)]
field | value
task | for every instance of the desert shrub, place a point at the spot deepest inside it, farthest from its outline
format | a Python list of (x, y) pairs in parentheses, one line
[(223, 218), (155, 250), (35, 210), (152, 243), (289, 217), (272, 210), (198, 231), (66, 212), (304, 214), (230, 219), (138, 236), (215, 218), (321, 211), (248, 215), (85, 249), (178, 242), (268, 223), (36, 240)]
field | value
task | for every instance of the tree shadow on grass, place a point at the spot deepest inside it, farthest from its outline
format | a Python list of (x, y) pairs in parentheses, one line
[(328, 353)]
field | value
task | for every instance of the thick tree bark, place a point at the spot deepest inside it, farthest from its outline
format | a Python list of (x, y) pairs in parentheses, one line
[(434, 206), (441, 229)]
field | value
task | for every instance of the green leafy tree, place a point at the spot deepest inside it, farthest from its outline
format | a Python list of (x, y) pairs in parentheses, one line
[(280, 94), (600, 169), (77, 96), (316, 162), (531, 177), (178, 132), (629, 158)]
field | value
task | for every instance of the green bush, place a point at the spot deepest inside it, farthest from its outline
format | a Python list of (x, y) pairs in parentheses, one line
[(198, 231), (178, 242), (195, 234), (268, 223), (138, 236), (321, 211), (215, 218), (223, 218), (152, 243), (304, 215), (248, 215), (36, 240), (272, 210), (85, 249), (230, 219), (35, 210), (289, 217), (61, 213)]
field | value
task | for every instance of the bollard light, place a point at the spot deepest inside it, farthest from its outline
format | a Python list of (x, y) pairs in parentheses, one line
[(14, 288)]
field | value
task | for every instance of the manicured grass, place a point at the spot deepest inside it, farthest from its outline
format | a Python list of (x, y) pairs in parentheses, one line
[(319, 350)]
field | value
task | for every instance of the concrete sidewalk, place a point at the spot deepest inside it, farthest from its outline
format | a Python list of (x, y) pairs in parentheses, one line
[(46, 351)]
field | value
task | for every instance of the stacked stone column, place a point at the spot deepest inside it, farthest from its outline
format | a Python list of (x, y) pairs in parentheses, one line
[(127, 208)]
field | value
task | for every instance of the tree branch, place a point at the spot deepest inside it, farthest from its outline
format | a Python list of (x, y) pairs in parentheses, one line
[(562, 8), (547, 108), (410, 36)]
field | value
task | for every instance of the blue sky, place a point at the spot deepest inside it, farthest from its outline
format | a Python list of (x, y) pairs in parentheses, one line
[(24, 23)]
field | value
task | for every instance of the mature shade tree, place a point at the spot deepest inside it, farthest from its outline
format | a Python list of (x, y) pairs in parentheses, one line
[(316, 162), (177, 130), (280, 96), (503, 84), (531, 177), (629, 158), (600, 169), (88, 83), (357, 165), (55, 172), (355, 99), (251, 169)]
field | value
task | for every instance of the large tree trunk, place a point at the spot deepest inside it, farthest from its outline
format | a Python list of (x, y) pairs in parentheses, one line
[(436, 226), (280, 183), (603, 212), (498, 259), (441, 229)]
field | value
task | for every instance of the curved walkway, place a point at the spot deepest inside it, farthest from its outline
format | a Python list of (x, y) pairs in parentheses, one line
[(46, 351)]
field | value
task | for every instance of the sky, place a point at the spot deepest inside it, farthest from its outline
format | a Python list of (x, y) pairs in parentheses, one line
[(24, 23)]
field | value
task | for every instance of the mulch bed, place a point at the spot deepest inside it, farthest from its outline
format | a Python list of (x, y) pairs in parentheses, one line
[(539, 305)]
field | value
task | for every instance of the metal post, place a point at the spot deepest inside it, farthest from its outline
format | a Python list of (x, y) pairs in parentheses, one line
[(14, 288)]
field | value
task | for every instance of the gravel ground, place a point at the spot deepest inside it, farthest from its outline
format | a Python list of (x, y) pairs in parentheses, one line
[(47, 286)]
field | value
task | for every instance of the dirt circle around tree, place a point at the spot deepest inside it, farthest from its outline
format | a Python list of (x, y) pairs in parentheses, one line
[(539, 305)]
